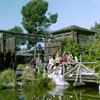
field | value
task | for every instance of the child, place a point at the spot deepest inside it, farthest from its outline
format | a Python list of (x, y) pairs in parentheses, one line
[(32, 63)]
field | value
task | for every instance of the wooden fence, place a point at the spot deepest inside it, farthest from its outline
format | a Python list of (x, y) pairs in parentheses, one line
[(7, 51), (52, 48)]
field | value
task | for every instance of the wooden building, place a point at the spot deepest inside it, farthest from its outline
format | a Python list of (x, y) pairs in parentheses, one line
[(80, 34)]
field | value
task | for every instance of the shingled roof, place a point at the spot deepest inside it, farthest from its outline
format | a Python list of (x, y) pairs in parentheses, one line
[(73, 28)]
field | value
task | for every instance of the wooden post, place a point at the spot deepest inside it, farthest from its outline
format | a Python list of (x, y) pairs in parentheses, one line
[(39, 66), (63, 69), (80, 57), (1, 53), (35, 52), (4, 45), (13, 59), (46, 49), (80, 67), (77, 75), (2, 42), (80, 72)]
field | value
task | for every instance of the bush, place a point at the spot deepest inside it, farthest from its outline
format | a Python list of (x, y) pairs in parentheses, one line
[(2, 86), (7, 76), (22, 66), (92, 54), (69, 44), (44, 81), (28, 75)]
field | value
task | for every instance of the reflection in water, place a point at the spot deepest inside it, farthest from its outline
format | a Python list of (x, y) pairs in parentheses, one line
[(20, 96), (8, 94), (86, 93), (56, 93), (58, 90)]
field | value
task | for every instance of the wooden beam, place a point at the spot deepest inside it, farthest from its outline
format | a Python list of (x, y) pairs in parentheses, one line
[(27, 54), (24, 34)]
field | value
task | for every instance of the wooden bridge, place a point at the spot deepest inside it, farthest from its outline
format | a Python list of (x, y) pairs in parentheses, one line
[(78, 75), (83, 74)]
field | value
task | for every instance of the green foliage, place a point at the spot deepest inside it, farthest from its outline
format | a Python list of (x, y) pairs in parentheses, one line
[(2, 86), (21, 66), (14, 29), (90, 50), (44, 81), (28, 75), (34, 17), (69, 44), (7, 76), (18, 42), (96, 28), (36, 92), (91, 53)]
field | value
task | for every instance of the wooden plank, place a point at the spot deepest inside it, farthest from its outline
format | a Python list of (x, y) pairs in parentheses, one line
[(79, 84), (83, 80), (88, 78), (27, 54), (10, 45), (52, 48), (25, 34), (25, 38)]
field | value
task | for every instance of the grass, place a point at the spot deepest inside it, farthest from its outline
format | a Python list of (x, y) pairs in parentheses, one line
[(7, 76), (22, 66), (44, 81), (28, 75)]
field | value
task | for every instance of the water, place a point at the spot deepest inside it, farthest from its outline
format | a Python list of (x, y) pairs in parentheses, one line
[(54, 93)]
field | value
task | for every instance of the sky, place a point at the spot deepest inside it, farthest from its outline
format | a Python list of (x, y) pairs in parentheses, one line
[(83, 13)]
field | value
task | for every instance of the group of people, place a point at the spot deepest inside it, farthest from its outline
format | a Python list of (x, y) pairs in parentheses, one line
[(50, 64), (56, 63)]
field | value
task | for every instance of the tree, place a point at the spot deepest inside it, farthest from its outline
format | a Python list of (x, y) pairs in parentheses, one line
[(14, 29), (18, 42), (96, 28), (34, 19)]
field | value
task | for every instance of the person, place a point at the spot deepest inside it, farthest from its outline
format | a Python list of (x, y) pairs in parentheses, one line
[(57, 59), (45, 61), (64, 58), (51, 64), (32, 63), (51, 61), (68, 61), (64, 61), (57, 69), (71, 56)]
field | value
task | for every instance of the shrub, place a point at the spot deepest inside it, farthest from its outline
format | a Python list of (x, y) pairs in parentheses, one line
[(44, 81), (69, 44), (22, 66), (7, 76), (2, 86), (28, 75)]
